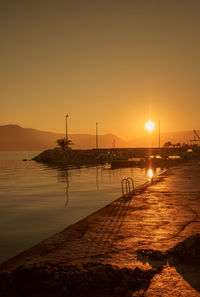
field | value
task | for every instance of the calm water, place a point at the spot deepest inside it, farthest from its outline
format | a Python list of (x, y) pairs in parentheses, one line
[(37, 201)]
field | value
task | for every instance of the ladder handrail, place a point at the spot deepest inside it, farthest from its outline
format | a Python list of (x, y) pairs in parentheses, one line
[(133, 187), (126, 182)]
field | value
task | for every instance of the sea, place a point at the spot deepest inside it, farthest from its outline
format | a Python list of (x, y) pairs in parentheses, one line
[(37, 201)]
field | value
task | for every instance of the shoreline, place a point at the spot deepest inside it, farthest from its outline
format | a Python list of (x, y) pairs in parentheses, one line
[(105, 244), (139, 189)]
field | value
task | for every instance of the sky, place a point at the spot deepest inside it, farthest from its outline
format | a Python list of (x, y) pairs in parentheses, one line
[(118, 63)]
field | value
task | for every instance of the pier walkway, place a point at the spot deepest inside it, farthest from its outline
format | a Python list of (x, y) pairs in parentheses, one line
[(145, 245)]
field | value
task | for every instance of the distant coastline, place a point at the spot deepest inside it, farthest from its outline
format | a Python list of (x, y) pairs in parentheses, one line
[(16, 138)]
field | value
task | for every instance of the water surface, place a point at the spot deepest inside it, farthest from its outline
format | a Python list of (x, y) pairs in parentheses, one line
[(37, 201)]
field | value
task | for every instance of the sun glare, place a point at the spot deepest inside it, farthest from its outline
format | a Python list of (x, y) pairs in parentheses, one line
[(150, 174), (150, 126)]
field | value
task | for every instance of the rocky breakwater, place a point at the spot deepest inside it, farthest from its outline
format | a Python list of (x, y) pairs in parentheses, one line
[(72, 157)]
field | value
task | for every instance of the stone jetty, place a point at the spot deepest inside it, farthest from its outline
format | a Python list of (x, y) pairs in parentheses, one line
[(98, 156), (146, 244)]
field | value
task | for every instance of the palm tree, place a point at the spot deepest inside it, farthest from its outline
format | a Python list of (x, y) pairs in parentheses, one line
[(64, 143), (167, 144)]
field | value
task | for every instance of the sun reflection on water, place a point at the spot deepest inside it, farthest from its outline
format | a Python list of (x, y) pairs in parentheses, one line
[(150, 174)]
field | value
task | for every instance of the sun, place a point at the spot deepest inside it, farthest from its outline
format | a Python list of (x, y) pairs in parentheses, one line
[(149, 126)]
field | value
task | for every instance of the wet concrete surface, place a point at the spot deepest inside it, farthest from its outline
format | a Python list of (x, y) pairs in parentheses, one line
[(143, 245)]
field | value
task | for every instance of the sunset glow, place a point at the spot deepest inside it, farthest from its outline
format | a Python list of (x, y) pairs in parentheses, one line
[(100, 148), (89, 59), (150, 126)]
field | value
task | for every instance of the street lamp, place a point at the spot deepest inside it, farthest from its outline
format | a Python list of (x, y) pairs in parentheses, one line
[(97, 144), (66, 126)]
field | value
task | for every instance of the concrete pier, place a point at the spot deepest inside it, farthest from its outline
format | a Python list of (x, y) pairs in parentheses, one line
[(144, 245)]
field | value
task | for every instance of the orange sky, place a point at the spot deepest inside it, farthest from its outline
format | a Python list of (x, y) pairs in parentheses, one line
[(115, 62)]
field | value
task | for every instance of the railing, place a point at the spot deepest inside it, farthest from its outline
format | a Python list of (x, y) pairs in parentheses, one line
[(127, 185)]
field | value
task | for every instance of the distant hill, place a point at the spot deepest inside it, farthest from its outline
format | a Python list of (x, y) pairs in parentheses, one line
[(14, 137)]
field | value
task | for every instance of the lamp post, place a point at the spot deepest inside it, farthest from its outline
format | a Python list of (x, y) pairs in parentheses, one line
[(97, 143), (159, 134), (66, 126)]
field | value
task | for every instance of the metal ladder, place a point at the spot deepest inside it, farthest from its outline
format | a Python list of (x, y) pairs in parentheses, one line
[(127, 185)]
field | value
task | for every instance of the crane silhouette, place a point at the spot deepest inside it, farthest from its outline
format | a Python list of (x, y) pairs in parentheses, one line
[(196, 137)]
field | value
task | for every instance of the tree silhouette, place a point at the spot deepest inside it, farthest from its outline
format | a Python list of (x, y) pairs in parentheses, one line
[(64, 143), (167, 144)]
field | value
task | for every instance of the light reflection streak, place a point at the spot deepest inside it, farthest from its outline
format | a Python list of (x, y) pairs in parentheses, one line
[(150, 174)]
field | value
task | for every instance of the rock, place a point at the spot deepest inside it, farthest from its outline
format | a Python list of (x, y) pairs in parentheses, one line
[(94, 279), (189, 249)]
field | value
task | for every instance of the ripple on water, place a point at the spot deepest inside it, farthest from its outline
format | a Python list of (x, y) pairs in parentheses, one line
[(37, 201)]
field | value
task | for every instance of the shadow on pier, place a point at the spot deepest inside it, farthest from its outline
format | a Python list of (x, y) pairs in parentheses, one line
[(102, 241)]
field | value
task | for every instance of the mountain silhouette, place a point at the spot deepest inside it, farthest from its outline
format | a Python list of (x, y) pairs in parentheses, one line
[(14, 137)]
